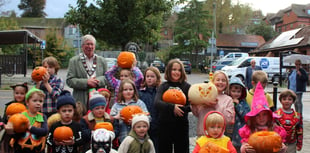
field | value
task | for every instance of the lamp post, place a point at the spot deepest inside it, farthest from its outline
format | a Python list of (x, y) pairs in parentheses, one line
[(213, 39)]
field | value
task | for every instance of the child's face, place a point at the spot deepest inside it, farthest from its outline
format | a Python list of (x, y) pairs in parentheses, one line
[(215, 130), (220, 82), (50, 70), (287, 102), (19, 93), (66, 113), (128, 91), (141, 129), (98, 111), (35, 103), (262, 118), (125, 74), (176, 72), (235, 91), (150, 78)]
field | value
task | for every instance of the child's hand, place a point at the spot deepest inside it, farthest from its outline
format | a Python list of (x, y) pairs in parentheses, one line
[(236, 101), (211, 103), (9, 128), (177, 110), (246, 148), (298, 148), (46, 77), (69, 142), (284, 148)]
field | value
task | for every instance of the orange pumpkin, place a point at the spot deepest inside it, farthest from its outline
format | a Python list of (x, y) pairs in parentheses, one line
[(104, 125), (202, 93), (128, 111), (175, 96), (15, 108), (38, 73), (211, 147), (266, 141), (20, 123), (126, 59), (63, 133)]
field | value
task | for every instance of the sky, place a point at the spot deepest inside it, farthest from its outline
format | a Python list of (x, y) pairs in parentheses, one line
[(57, 8)]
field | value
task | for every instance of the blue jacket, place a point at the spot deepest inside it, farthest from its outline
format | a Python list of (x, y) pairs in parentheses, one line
[(147, 95)]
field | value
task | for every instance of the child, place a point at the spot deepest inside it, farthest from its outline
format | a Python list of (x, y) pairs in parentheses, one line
[(259, 76), (258, 119), (138, 139), (37, 127), (172, 118), (291, 121), (102, 141), (237, 91), (224, 104), (214, 127), (107, 94), (97, 104), (128, 95), (152, 80), (52, 85), (65, 107)]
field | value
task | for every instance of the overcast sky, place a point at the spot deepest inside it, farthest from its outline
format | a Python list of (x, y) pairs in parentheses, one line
[(57, 8)]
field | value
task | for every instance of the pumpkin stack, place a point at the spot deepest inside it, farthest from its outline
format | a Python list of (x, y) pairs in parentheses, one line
[(266, 141), (174, 95), (128, 111), (202, 93), (125, 59), (38, 73)]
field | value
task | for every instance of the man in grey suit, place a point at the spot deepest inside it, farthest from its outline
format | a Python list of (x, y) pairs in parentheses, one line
[(248, 73), (86, 71)]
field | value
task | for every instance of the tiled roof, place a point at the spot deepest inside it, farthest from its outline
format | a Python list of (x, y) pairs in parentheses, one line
[(238, 40)]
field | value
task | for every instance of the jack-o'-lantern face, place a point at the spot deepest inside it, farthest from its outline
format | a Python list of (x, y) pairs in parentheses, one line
[(32, 141)]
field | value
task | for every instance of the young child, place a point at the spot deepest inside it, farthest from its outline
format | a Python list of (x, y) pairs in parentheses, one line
[(138, 139), (237, 91), (52, 85), (214, 128), (65, 107), (107, 95), (259, 76), (97, 104), (172, 118), (152, 80), (258, 119), (291, 121), (224, 104), (101, 141), (128, 95), (37, 127)]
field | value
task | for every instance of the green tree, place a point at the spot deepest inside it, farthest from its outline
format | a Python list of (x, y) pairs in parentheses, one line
[(32, 8), (262, 29)]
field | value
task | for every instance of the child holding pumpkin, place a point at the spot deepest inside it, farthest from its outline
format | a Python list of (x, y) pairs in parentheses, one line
[(70, 143), (173, 124), (128, 95), (260, 118), (291, 121), (214, 128)]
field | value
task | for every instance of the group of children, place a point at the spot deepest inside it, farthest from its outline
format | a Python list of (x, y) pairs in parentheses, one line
[(227, 122)]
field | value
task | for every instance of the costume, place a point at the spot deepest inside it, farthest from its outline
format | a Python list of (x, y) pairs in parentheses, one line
[(248, 75), (77, 76), (250, 94), (102, 141), (172, 129)]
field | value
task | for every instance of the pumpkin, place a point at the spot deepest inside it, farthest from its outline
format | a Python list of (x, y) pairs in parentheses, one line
[(104, 125), (265, 141), (20, 123), (15, 108), (128, 111), (53, 119), (38, 73), (202, 93), (211, 147), (174, 95), (126, 59), (63, 133)]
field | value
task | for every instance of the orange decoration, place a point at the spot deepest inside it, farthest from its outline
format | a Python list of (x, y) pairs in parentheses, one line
[(15, 108), (266, 141), (130, 110), (63, 133), (20, 123), (202, 93), (175, 96), (126, 60), (38, 73), (104, 125), (211, 147)]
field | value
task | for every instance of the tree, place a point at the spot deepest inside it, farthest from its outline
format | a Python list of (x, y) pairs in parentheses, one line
[(262, 29), (9, 24), (32, 8)]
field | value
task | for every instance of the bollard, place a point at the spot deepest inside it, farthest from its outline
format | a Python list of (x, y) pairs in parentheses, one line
[(275, 94), (0, 76)]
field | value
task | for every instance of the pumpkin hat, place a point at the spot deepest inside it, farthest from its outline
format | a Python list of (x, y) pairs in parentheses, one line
[(236, 81), (205, 121), (259, 104)]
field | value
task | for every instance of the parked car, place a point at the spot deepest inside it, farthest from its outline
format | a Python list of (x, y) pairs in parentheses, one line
[(187, 66), (111, 62), (220, 64), (159, 64)]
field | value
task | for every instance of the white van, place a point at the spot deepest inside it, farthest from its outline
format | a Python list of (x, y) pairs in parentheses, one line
[(271, 65), (233, 56)]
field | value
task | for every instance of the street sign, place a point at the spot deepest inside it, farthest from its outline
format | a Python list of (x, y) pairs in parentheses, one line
[(43, 44)]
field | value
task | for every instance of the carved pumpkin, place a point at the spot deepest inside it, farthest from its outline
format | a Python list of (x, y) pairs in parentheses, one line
[(15, 108), (53, 119), (104, 125), (20, 123), (126, 59), (38, 73), (211, 147), (63, 133), (266, 141), (202, 93), (175, 96), (128, 112)]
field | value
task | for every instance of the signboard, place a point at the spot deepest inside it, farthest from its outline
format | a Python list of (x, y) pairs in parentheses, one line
[(43, 44)]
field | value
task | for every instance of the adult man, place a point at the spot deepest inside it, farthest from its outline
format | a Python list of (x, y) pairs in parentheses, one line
[(297, 82), (248, 73), (86, 70)]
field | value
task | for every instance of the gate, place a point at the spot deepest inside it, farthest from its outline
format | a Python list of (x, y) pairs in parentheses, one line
[(13, 64)]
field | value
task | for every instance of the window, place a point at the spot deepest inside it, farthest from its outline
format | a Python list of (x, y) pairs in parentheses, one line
[(237, 55), (308, 11)]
